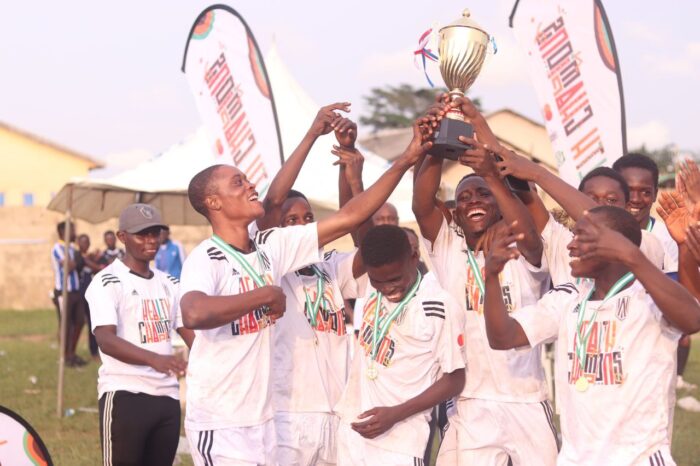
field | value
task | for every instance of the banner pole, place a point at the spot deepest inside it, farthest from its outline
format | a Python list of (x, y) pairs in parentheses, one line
[(63, 306)]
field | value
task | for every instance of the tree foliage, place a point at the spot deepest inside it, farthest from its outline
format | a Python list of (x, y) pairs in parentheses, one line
[(666, 157), (398, 106)]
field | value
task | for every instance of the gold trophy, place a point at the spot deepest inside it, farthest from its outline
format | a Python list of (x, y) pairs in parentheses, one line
[(462, 50)]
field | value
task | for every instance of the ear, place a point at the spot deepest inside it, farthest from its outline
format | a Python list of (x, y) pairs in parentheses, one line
[(212, 202), (122, 236)]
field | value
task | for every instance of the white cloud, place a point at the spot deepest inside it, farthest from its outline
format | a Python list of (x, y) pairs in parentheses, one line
[(653, 134)]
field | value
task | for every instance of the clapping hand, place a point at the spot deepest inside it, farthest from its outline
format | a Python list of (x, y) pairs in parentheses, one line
[(673, 211), (501, 251)]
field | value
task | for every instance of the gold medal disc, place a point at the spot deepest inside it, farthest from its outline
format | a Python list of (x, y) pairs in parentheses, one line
[(372, 372), (581, 384)]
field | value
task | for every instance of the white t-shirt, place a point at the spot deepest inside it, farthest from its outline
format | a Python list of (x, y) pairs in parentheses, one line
[(623, 416), (425, 341), (660, 231), (310, 366), (556, 237), (145, 312), (228, 375), (514, 375)]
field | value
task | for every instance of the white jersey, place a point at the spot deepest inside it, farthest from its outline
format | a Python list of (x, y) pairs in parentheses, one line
[(622, 418), (514, 375), (310, 366), (228, 375), (660, 231), (145, 312), (556, 237), (423, 342)]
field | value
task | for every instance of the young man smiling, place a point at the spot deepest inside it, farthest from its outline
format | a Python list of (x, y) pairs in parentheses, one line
[(230, 295), (409, 357), (616, 336), (134, 310)]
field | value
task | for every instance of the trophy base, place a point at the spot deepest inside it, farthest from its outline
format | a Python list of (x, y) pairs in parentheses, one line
[(447, 145)]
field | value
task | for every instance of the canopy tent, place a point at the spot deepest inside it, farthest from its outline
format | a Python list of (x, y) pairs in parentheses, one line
[(162, 181)]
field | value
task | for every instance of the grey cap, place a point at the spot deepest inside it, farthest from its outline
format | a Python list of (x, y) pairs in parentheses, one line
[(138, 217)]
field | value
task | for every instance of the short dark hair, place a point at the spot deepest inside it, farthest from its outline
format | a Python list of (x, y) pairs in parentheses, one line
[(621, 221), (384, 244), (635, 160), (296, 194), (450, 204), (606, 172), (200, 187), (61, 229), (83, 235), (108, 232), (410, 231)]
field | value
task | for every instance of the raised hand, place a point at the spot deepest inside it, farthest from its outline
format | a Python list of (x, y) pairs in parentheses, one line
[(418, 145), (515, 165), (467, 107), (351, 160), (169, 364), (596, 241), (327, 118), (380, 420), (501, 251), (487, 239), (693, 241), (689, 186), (480, 158), (673, 211), (434, 115), (345, 132)]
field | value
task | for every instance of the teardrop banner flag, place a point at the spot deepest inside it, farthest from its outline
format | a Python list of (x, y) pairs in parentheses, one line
[(226, 72), (20, 445), (573, 65)]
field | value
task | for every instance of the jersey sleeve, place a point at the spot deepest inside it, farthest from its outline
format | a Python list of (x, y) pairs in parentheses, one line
[(555, 239), (342, 263), (541, 321), (199, 273), (102, 296), (173, 285), (290, 248), (449, 345)]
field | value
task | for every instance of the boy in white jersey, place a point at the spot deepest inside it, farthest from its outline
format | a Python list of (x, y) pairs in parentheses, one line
[(230, 296), (133, 310), (310, 347), (616, 341), (409, 357), (503, 410)]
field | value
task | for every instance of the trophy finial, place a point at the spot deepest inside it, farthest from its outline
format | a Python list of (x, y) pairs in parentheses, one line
[(466, 13)]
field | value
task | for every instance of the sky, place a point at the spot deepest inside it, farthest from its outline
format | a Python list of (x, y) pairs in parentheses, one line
[(104, 79)]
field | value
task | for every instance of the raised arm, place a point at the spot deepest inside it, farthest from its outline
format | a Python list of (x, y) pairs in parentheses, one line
[(676, 304), (361, 207), (201, 311), (482, 160), (502, 331), (285, 178), (573, 201)]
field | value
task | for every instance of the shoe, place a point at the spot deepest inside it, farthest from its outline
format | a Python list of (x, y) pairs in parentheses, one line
[(683, 385), (689, 403), (79, 361)]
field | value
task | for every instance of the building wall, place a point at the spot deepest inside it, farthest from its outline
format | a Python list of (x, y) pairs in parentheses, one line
[(34, 168)]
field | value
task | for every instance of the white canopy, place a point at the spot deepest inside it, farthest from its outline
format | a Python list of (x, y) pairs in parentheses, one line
[(162, 181)]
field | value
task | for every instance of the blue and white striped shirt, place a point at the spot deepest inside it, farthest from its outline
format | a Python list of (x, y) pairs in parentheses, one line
[(57, 256)]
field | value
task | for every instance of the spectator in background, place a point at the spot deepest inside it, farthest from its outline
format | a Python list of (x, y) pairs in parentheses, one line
[(415, 248), (171, 255), (112, 252), (386, 215), (90, 267), (75, 313)]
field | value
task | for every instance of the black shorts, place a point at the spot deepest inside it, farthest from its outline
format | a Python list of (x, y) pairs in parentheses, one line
[(138, 429)]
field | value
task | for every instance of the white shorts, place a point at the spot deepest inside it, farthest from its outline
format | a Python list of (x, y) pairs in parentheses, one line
[(235, 446), (354, 451), (487, 433), (306, 439)]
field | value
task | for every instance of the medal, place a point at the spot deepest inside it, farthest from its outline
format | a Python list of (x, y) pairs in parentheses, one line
[(372, 371), (581, 384)]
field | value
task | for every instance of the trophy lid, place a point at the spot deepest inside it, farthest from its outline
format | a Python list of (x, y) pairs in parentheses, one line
[(465, 21)]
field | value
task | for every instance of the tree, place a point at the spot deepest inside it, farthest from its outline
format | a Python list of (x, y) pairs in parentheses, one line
[(666, 157), (398, 106)]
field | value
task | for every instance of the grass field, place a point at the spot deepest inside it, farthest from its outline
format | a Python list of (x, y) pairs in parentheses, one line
[(28, 349)]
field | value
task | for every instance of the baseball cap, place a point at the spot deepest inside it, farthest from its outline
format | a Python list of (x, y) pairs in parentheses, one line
[(138, 217)]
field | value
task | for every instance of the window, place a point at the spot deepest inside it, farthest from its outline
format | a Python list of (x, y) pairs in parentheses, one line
[(28, 199)]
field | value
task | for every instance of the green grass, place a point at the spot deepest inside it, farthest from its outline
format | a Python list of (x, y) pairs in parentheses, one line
[(28, 348)]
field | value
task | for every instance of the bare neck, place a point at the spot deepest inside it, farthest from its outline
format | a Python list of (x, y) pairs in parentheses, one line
[(137, 266), (607, 279), (234, 234)]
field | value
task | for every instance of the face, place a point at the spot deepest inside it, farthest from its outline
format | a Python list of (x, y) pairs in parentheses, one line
[(413, 239), (143, 245), (164, 235), (110, 240), (585, 268), (605, 191), (84, 243), (236, 197), (386, 215), (642, 192), (393, 280), (476, 208), (296, 211)]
